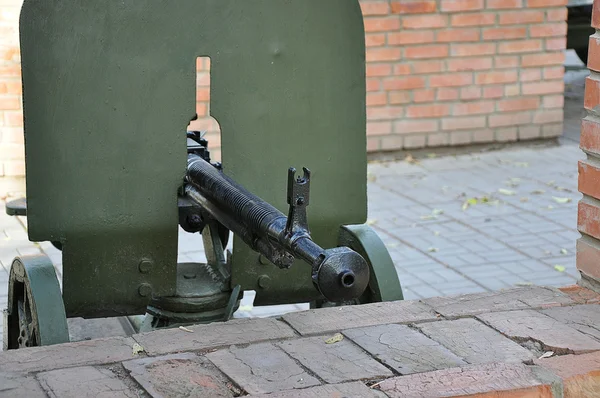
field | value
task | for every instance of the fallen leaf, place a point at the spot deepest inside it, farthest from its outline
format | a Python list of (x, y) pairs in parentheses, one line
[(559, 268), (550, 183), (371, 221), (564, 251), (561, 200), (469, 202), (547, 354), (513, 182), (523, 283), (186, 329), (521, 164), (431, 155), (409, 159), (335, 339), (507, 192), (428, 217), (371, 177), (137, 349), (524, 200), (550, 207), (538, 192), (437, 212), (433, 250), (563, 189)]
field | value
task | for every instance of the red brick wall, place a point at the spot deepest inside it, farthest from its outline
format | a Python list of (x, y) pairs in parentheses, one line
[(439, 72), (588, 220), (12, 153), (463, 71)]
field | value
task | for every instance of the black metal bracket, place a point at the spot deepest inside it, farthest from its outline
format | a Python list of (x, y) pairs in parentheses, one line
[(17, 207), (298, 196)]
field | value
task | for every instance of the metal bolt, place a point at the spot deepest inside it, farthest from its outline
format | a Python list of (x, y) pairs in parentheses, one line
[(264, 282), (145, 266), (263, 260), (145, 290)]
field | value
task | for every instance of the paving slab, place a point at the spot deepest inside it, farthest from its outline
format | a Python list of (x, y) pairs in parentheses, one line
[(355, 389), (86, 329), (84, 382), (585, 318), (525, 325), (488, 380), (15, 386), (335, 363), (404, 349), (261, 368), (580, 375), (512, 299), (237, 331), (475, 342), (93, 352), (179, 375), (335, 319)]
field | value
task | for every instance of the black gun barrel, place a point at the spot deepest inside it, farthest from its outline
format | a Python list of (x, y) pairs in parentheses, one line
[(339, 273)]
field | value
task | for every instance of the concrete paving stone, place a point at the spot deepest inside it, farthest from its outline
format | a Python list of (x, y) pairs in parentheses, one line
[(356, 389), (585, 318), (335, 363), (429, 191), (455, 209), (28, 251), (404, 349), (14, 386), (87, 329), (261, 369), (451, 290), (83, 382), (513, 299), (419, 214), (525, 268), (424, 291), (334, 319), (82, 353), (497, 256), (566, 217), (554, 336), (494, 379), (179, 375), (515, 224), (394, 168), (579, 373), (409, 294), (237, 331), (561, 280), (475, 342), (483, 270), (493, 283), (449, 275), (408, 279)]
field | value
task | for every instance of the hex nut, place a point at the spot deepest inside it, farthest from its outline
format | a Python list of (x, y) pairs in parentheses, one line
[(145, 266), (264, 282), (145, 290)]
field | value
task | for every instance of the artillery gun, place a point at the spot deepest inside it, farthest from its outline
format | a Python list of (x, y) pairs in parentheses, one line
[(112, 173)]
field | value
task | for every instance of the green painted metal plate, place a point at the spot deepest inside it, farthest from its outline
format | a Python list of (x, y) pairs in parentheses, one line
[(109, 88)]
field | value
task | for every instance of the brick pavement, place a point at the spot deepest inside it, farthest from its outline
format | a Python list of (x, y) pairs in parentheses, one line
[(471, 345)]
